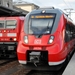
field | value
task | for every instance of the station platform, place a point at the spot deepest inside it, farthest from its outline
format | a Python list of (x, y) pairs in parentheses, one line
[(70, 69)]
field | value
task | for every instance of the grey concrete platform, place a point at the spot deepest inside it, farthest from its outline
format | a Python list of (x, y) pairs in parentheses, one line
[(70, 69)]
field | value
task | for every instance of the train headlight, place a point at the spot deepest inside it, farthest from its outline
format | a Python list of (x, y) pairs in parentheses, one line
[(15, 39), (26, 39), (51, 39)]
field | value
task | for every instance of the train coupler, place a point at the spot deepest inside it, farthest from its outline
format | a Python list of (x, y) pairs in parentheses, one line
[(34, 57)]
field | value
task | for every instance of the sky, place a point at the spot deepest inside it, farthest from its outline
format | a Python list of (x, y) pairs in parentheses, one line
[(61, 4)]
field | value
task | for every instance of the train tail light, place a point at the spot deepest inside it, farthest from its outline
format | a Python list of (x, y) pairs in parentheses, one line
[(26, 39), (51, 39)]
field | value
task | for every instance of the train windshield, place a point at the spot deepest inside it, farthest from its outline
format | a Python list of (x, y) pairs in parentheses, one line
[(41, 24), (11, 23), (1, 24), (8, 24)]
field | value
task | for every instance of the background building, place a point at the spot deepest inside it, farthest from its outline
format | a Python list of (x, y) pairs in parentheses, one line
[(20, 10), (9, 4), (6, 3), (20, 5), (25, 5)]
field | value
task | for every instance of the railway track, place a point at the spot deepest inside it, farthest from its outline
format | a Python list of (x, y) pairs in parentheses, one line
[(6, 61), (35, 72), (7, 64), (10, 67)]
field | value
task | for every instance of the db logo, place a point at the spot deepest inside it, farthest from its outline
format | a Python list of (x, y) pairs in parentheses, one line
[(37, 42)]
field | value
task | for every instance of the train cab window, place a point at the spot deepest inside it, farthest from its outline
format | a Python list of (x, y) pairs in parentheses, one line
[(11, 24), (1, 24), (41, 24)]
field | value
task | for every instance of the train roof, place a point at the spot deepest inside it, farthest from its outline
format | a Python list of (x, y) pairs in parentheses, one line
[(47, 10), (51, 10)]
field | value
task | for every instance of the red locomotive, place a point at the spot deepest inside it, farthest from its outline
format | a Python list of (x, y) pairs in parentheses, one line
[(46, 39), (10, 28)]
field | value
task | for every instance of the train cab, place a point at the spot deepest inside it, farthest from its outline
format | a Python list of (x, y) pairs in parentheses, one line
[(43, 40)]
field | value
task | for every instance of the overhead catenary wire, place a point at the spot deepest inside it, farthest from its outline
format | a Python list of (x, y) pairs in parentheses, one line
[(66, 3), (69, 9)]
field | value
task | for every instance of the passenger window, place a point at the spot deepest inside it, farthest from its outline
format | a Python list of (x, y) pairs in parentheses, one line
[(69, 32)]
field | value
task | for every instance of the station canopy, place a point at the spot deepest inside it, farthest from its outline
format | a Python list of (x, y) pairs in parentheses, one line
[(4, 11)]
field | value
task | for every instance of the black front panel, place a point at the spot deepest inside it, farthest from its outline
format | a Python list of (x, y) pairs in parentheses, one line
[(37, 57), (8, 48)]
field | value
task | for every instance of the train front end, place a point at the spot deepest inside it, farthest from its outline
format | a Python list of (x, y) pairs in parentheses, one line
[(41, 43), (10, 28)]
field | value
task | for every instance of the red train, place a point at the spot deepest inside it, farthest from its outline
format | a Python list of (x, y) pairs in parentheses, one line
[(10, 28), (46, 40)]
